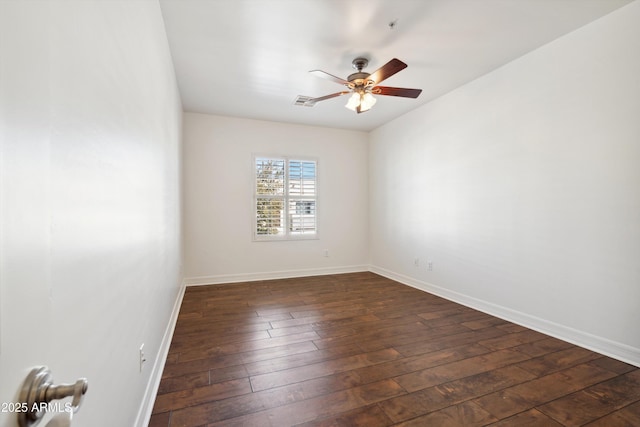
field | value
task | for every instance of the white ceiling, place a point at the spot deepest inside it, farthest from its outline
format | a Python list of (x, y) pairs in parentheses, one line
[(250, 58)]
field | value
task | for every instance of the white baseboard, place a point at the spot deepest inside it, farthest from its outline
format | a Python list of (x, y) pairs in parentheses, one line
[(269, 275), (598, 344), (146, 407)]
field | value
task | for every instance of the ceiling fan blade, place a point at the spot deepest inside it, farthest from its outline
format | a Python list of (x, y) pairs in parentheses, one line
[(387, 70), (333, 95), (396, 91), (325, 75)]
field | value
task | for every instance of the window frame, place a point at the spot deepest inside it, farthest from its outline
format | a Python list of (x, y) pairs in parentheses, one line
[(287, 235)]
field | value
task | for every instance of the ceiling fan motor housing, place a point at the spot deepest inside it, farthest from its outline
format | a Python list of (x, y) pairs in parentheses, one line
[(358, 76)]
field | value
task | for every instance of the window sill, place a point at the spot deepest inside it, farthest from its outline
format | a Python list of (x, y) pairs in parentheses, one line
[(285, 238)]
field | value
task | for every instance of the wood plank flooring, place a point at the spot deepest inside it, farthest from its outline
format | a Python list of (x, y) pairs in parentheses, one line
[(362, 350)]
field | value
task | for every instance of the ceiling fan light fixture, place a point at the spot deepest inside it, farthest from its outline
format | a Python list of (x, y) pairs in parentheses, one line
[(363, 100), (353, 102), (367, 102)]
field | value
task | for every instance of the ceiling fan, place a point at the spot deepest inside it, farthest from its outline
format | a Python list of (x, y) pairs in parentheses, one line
[(363, 85)]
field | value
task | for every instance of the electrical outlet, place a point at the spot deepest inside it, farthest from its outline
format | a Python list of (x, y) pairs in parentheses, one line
[(326, 253), (429, 265), (416, 262), (142, 357)]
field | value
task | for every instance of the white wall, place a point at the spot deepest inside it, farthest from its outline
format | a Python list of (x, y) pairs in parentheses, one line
[(90, 133), (218, 200), (523, 189)]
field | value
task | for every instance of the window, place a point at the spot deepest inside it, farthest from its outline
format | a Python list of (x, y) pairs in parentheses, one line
[(285, 198)]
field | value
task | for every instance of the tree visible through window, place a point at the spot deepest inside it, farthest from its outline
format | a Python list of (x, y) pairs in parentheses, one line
[(285, 198)]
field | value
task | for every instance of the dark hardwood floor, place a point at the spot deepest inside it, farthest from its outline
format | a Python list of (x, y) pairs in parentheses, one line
[(362, 350)]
